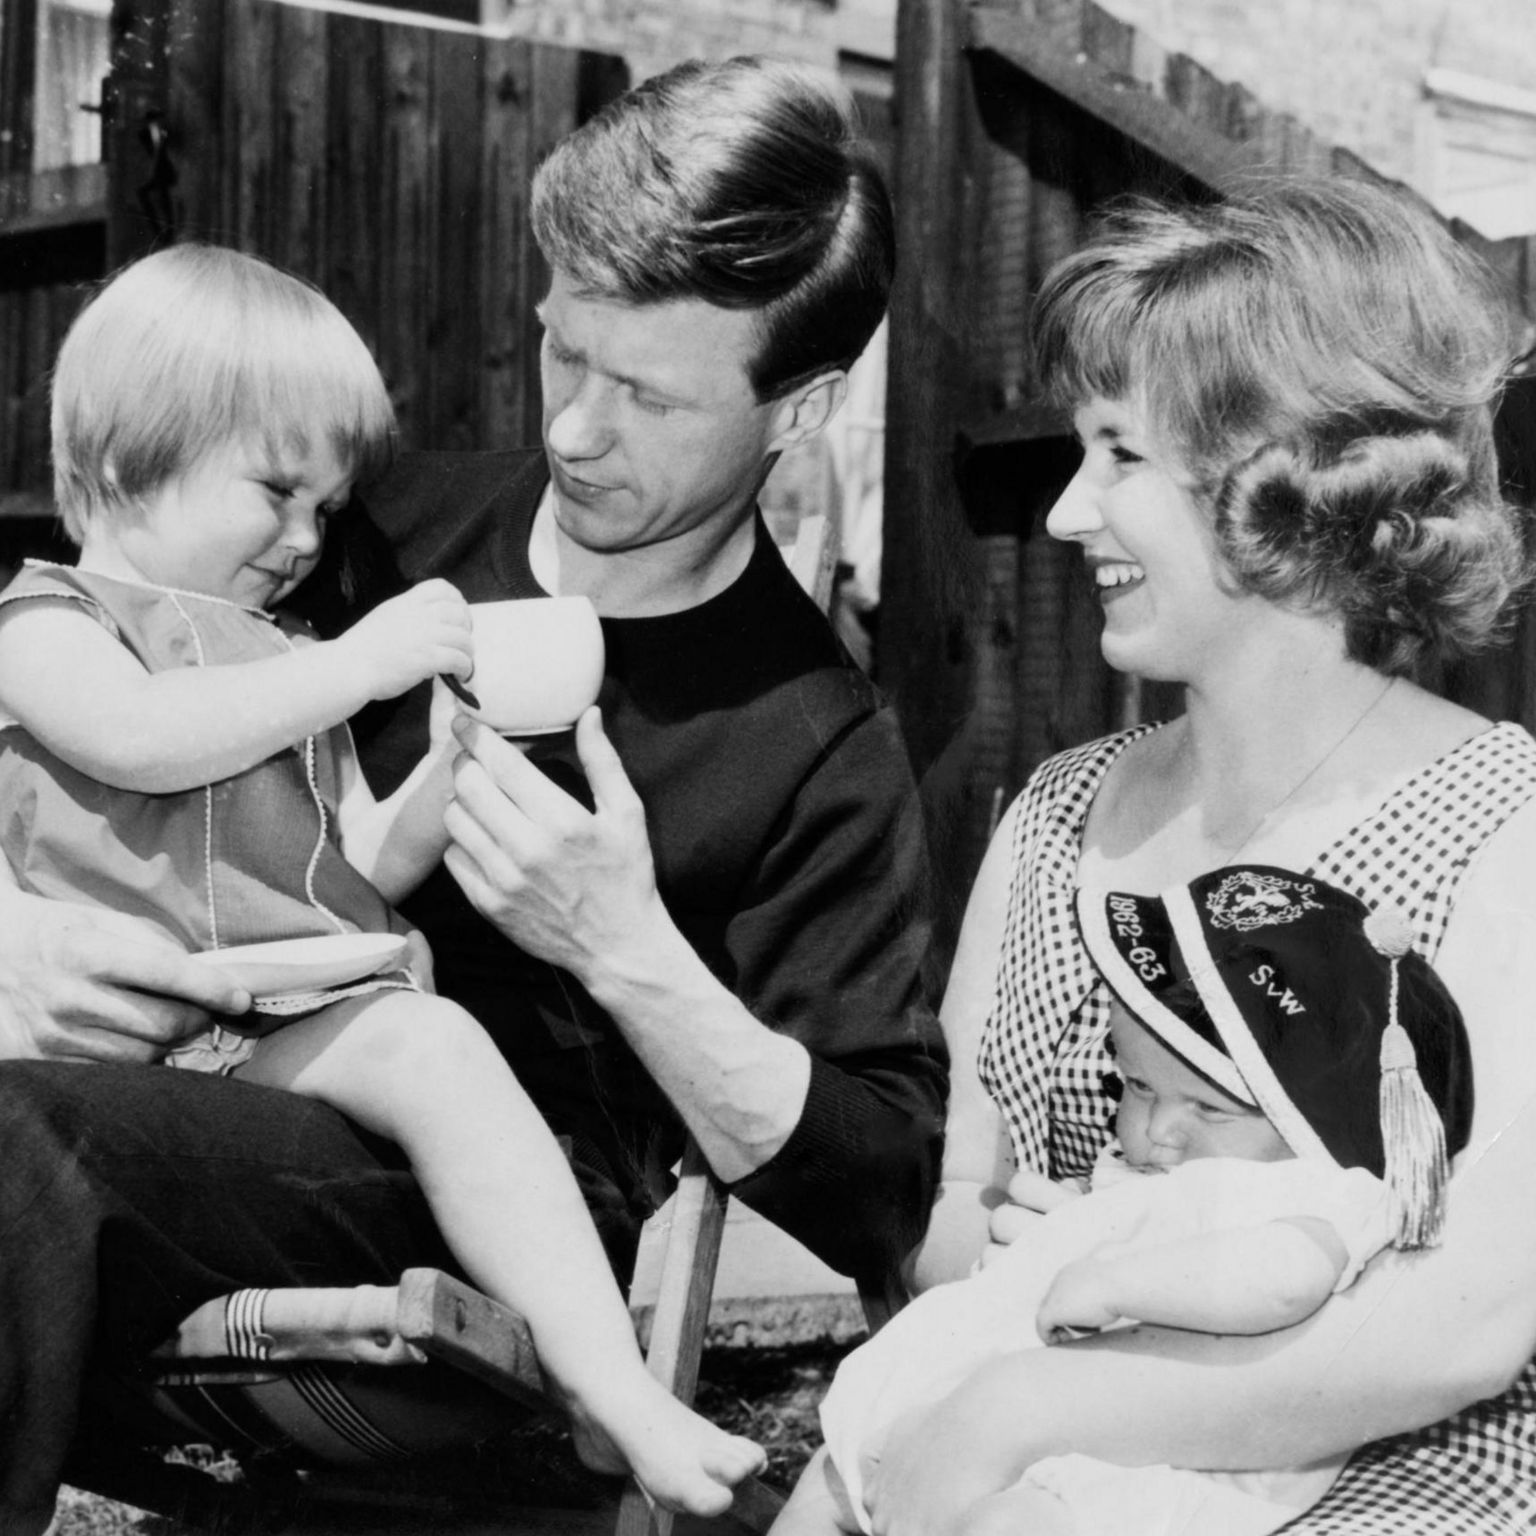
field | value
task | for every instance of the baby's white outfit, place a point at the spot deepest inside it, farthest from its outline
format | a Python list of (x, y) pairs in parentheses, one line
[(932, 1346)]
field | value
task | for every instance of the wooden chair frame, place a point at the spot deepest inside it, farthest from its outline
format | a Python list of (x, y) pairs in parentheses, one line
[(451, 1322)]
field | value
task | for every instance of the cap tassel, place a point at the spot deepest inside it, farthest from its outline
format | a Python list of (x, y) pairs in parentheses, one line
[(1412, 1135), (1413, 1140)]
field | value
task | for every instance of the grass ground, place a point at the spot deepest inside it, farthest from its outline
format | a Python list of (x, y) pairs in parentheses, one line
[(770, 1395), (767, 1391)]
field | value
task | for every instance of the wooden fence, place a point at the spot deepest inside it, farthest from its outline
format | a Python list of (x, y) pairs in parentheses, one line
[(388, 163), (1017, 119)]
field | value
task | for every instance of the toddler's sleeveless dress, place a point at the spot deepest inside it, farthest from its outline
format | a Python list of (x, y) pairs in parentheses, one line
[(251, 858)]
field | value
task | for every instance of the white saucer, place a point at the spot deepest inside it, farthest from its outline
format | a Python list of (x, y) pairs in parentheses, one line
[(306, 965), (517, 732)]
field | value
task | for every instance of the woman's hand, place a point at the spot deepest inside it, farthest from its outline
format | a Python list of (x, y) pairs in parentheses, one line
[(571, 886), (1030, 1196), (939, 1461), (84, 984), (956, 1234)]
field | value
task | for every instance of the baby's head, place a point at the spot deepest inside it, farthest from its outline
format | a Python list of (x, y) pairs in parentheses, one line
[(1264, 1014), (196, 350), (1170, 1114)]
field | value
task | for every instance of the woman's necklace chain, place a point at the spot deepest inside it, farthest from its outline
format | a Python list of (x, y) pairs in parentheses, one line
[(1232, 854)]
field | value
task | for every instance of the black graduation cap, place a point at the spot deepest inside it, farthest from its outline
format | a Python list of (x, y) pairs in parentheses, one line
[(1294, 997)]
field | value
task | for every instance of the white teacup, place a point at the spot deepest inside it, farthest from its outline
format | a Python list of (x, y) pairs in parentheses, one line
[(538, 663)]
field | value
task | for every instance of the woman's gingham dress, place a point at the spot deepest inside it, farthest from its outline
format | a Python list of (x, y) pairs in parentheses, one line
[(1044, 1059)]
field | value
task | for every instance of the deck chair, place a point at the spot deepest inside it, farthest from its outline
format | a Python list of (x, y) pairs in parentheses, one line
[(228, 1379)]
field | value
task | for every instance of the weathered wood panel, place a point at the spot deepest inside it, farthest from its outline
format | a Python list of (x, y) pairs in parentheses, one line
[(353, 254), (389, 164), (508, 333), (195, 82), (53, 223), (18, 85), (134, 95), (32, 324), (930, 567), (404, 286), (1017, 118)]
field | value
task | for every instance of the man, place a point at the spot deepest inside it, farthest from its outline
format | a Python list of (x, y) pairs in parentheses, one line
[(688, 340), (707, 917)]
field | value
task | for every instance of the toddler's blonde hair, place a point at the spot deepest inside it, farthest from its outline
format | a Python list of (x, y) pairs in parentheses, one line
[(194, 348)]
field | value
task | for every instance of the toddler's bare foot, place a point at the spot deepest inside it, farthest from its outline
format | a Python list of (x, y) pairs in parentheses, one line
[(683, 1461)]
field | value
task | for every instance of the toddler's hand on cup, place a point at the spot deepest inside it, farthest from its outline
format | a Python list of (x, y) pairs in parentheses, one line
[(424, 632)]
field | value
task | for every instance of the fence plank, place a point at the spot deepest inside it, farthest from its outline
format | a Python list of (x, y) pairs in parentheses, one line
[(139, 207), (250, 66), (18, 85), (555, 83), (508, 403), (388, 163), (355, 233), (195, 105), (299, 131), (11, 388), (32, 324), (38, 341), (453, 360), (404, 273)]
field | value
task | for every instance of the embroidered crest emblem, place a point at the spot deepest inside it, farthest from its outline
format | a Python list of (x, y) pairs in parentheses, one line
[(1247, 900)]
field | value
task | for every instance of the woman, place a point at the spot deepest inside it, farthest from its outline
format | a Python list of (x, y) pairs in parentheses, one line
[(1288, 502)]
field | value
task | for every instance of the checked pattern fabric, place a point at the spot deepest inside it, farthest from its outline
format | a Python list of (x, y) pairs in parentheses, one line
[(1044, 1057), (1043, 1051)]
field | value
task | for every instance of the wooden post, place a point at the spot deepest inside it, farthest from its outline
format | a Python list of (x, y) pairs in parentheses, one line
[(196, 93), (508, 416), (18, 90), (249, 171), (141, 166), (300, 127), (455, 356), (405, 276), (355, 231), (925, 540), (930, 578)]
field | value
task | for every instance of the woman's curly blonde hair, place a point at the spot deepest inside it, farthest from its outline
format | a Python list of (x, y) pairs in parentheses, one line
[(1323, 358)]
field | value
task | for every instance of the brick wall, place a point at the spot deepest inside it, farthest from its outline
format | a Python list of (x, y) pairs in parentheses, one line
[(1349, 69), (652, 34)]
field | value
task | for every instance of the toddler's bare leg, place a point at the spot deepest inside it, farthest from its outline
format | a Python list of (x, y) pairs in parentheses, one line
[(819, 1504), (419, 1070)]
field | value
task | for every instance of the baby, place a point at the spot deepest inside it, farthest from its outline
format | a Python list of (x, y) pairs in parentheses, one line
[(172, 748), (1274, 1041)]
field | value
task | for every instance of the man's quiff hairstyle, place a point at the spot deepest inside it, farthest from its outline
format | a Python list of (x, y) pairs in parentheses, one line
[(191, 350), (744, 184), (1322, 358)]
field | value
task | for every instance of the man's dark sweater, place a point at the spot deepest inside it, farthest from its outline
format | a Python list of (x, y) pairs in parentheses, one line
[(788, 849)]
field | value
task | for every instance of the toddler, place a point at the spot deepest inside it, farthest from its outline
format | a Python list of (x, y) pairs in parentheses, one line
[(174, 749), (1274, 1041)]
